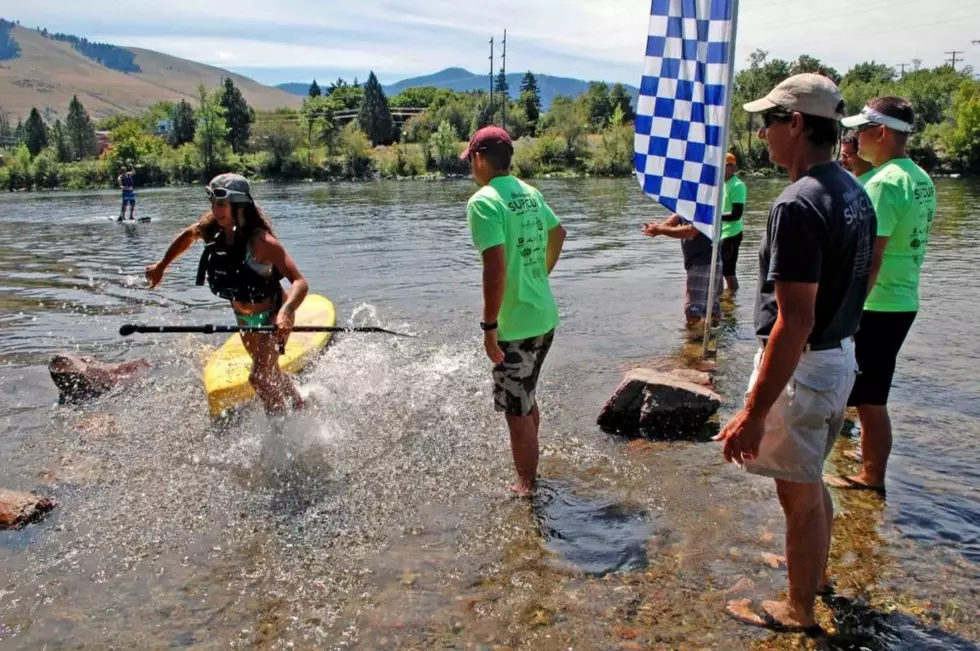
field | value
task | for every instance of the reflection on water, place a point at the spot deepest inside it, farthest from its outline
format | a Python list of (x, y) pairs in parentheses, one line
[(381, 519)]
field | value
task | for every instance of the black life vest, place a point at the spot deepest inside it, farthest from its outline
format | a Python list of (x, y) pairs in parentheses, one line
[(230, 277)]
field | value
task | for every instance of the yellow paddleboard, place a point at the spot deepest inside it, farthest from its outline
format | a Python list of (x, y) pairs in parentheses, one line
[(227, 369)]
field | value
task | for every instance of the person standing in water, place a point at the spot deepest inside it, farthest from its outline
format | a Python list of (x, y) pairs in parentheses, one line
[(126, 184), (904, 199), (519, 239), (243, 262), (731, 223)]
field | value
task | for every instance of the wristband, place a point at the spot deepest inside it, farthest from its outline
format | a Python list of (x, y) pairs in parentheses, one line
[(487, 327)]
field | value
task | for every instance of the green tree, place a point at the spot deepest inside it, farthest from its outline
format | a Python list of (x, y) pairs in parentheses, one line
[(321, 126), (80, 131), (531, 99), (621, 99), (184, 124), (598, 104), (807, 63), (60, 143), (20, 133), (375, 115), (315, 89), (238, 115), (356, 151), (568, 120), (6, 132), (963, 140), (212, 130), (443, 143), (35, 133), (500, 85), (279, 134), (869, 72)]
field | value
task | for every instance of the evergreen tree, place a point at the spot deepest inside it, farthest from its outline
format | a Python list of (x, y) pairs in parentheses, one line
[(184, 124), (356, 83), (62, 146), (315, 89), (375, 116), (19, 131), (500, 85), (35, 133), (531, 99), (239, 116), (80, 131), (6, 133), (620, 98)]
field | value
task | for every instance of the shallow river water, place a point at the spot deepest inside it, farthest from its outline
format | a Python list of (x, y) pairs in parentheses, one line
[(381, 519)]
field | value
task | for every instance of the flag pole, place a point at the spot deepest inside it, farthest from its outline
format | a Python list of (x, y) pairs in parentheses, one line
[(719, 200)]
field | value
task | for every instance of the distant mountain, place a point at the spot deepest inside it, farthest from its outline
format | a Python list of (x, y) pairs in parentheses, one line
[(44, 70), (463, 81)]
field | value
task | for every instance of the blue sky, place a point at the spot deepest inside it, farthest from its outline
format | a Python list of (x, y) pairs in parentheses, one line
[(295, 40)]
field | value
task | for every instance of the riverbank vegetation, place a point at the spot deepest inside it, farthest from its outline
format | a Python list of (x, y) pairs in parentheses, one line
[(347, 131)]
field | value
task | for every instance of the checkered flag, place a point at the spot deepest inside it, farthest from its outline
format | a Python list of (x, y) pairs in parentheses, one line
[(681, 111)]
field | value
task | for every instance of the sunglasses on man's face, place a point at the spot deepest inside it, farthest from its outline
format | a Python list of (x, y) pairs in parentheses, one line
[(865, 127), (772, 117)]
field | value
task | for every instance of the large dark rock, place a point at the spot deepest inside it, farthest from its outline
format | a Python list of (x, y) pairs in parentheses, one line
[(671, 403), (18, 509), (81, 378)]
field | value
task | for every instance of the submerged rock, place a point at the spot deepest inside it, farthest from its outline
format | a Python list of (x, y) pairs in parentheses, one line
[(670, 403), (18, 509), (81, 378)]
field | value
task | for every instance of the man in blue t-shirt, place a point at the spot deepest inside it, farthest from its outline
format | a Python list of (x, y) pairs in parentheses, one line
[(815, 265), (126, 184)]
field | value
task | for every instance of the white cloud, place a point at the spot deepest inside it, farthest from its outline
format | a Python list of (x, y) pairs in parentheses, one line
[(566, 37)]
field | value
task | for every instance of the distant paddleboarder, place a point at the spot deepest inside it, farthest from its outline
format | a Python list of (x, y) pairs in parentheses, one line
[(126, 184), (243, 262)]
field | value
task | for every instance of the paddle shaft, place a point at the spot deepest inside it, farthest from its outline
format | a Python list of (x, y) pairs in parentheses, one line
[(208, 329)]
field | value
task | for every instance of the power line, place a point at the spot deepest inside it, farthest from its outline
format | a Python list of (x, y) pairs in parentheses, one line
[(952, 59)]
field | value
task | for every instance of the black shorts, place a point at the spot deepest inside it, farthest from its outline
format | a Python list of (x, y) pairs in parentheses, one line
[(729, 254), (877, 343)]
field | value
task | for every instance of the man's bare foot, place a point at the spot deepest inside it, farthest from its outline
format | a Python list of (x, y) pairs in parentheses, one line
[(775, 615), (523, 489), (858, 482)]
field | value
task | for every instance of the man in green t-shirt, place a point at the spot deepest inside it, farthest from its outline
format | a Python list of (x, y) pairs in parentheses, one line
[(731, 223), (519, 239), (904, 199)]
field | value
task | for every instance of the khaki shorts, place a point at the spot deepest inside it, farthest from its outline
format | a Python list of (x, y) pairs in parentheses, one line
[(804, 423)]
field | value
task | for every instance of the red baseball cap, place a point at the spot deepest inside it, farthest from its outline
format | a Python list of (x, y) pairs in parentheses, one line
[(488, 138)]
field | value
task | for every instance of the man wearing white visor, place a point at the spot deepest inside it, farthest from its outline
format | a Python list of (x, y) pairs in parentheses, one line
[(904, 199)]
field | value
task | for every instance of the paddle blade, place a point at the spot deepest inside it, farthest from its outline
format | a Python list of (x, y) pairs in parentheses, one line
[(127, 329)]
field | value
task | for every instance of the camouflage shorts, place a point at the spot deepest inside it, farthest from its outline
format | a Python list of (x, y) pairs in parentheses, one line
[(516, 379)]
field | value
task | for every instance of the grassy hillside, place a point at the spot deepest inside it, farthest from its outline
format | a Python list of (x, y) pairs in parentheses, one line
[(48, 72)]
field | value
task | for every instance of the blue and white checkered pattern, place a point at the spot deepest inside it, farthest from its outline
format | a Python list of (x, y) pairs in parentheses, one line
[(680, 114)]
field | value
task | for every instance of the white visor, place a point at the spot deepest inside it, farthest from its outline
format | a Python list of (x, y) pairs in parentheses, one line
[(871, 116)]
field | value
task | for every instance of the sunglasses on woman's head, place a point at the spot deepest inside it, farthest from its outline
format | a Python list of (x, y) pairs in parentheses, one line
[(222, 194)]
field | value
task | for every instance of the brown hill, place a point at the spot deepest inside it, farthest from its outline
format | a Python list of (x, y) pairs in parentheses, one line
[(47, 73)]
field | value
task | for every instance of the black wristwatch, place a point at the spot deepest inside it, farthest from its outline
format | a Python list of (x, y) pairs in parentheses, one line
[(487, 327)]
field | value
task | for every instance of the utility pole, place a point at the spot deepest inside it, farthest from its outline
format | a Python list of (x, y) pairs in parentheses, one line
[(902, 65), (503, 72), (952, 59), (491, 75)]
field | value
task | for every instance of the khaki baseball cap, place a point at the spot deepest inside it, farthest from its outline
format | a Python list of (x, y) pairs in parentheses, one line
[(808, 93)]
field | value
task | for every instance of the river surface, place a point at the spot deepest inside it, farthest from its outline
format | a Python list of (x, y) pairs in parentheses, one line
[(381, 519)]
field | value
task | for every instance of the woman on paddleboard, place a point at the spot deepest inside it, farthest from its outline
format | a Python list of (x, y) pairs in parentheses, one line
[(243, 262)]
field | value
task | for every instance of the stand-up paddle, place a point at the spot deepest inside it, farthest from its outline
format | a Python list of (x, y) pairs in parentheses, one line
[(209, 329)]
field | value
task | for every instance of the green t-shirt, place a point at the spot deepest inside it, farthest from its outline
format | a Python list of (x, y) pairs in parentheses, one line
[(735, 192), (904, 199), (514, 214), (867, 176)]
